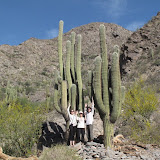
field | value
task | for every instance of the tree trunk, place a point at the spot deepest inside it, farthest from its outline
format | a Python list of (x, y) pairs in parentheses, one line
[(108, 132)]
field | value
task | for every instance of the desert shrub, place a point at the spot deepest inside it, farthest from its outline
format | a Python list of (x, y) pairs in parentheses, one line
[(20, 126), (140, 99), (59, 152), (140, 103)]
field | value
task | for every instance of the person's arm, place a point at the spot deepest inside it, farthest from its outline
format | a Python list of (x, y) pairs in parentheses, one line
[(92, 106), (68, 109)]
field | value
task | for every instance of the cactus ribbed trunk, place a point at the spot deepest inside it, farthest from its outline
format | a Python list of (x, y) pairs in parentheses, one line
[(73, 96), (107, 95), (60, 47), (78, 72), (72, 55), (68, 74), (108, 132)]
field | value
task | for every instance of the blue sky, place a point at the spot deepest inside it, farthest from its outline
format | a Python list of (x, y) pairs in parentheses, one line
[(23, 19)]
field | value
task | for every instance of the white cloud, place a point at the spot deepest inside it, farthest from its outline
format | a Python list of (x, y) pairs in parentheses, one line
[(52, 33), (114, 8), (134, 26)]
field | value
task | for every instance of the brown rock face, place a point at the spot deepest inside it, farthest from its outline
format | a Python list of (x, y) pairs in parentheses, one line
[(142, 49)]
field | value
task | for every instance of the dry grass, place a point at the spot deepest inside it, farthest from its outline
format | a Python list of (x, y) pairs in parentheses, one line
[(59, 152)]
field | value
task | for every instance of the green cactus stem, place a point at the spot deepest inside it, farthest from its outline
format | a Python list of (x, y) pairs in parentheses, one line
[(73, 96), (107, 91), (73, 35), (78, 72), (68, 74), (60, 35)]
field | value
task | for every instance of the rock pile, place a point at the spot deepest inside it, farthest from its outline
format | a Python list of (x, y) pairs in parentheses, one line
[(93, 150)]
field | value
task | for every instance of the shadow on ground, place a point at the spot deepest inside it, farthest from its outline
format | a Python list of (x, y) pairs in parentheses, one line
[(52, 134)]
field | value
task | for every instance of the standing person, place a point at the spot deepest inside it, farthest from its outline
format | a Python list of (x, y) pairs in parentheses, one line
[(89, 121), (80, 127), (73, 125)]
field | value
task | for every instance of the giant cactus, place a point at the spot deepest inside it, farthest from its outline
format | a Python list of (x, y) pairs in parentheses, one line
[(68, 82), (107, 88)]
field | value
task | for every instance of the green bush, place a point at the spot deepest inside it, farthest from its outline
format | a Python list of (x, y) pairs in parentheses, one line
[(59, 152), (140, 100), (20, 127)]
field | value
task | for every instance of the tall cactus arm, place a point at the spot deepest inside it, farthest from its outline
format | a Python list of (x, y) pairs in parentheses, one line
[(73, 35), (73, 96), (116, 90), (89, 86), (56, 106), (68, 74), (97, 86), (60, 47), (64, 95), (103, 47), (78, 72)]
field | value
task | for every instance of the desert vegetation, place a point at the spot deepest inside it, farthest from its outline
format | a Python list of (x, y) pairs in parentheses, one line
[(133, 110)]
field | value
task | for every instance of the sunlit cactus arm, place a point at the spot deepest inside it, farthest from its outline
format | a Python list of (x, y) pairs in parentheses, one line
[(56, 99), (98, 86), (73, 35), (68, 74), (90, 84), (116, 89), (73, 96), (78, 72), (104, 82), (60, 35)]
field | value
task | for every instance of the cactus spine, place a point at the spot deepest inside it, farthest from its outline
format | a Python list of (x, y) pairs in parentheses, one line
[(107, 88)]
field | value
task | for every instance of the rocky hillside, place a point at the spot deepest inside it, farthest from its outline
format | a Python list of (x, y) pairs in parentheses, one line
[(141, 54), (33, 62)]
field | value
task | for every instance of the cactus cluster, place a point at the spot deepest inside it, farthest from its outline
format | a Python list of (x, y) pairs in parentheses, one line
[(68, 81), (105, 86)]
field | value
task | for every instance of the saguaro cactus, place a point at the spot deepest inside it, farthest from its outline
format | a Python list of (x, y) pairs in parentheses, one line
[(68, 81), (107, 88)]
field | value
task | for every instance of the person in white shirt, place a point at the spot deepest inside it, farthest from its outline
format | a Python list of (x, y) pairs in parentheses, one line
[(73, 125), (80, 127), (89, 121)]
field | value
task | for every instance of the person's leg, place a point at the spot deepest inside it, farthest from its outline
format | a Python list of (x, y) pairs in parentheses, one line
[(78, 134), (88, 132), (74, 132), (71, 134), (91, 131), (82, 133)]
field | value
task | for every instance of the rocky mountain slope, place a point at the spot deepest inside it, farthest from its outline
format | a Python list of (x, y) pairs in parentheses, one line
[(141, 54), (33, 62)]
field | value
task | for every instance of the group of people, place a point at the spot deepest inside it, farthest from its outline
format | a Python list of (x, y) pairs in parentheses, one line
[(79, 121)]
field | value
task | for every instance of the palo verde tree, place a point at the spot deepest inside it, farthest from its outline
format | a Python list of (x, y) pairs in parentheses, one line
[(105, 87)]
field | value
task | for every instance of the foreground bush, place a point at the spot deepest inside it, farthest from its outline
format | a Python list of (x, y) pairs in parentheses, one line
[(140, 103), (59, 152), (140, 99), (20, 126)]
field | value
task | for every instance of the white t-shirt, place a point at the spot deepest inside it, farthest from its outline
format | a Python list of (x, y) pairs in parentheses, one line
[(72, 118), (89, 116), (81, 122)]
